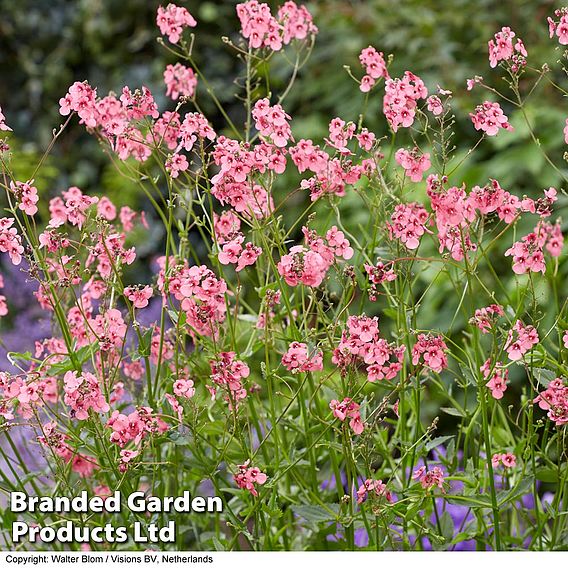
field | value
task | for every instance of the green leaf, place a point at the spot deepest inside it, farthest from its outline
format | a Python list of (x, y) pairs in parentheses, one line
[(524, 486), (437, 442), (316, 514), (452, 411)]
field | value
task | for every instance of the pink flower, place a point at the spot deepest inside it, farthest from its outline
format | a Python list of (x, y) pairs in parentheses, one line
[(304, 266), (414, 162), (248, 256), (408, 224), (248, 477), (180, 81), (497, 376), (489, 118), (10, 241), (83, 392), (139, 296), (501, 48), (435, 105), (81, 98), (84, 465), (485, 318), (126, 456), (133, 369), (338, 243), (528, 252), (226, 225), (508, 460), (361, 340), (27, 195), (520, 340), (228, 373), (472, 82), (272, 123), (176, 406), (3, 125), (373, 486), (106, 209), (559, 28), (231, 250), (172, 20), (378, 274), (184, 388), (375, 67), (3, 306), (401, 98), (262, 29), (347, 409), (176, 163), (135, 426), (431, 349), (565, 339), (366, 139), (367, 83), (298, 359), (431, 478), (554, 399)]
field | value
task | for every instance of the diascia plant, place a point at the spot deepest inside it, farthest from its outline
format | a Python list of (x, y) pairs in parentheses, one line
[(296, 370)]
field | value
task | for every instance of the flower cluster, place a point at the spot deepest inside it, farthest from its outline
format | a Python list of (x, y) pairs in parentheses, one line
[(139, 297), (528, 253), (431, 351), (490, 118), (309, 265), (414, 162), (172, 20), (508, 460), (134, 427), (237, 162), (485, 318), (430, 478), (233, 252), (83, 392), (361, 341), (180, 81), (560, 27), (371, 486), (298, 358), (401, 99), (501, 48), (408, 224), (262, 29), (496, 377), (272, 122), (28, 394), (202, 297), (348, 409), (375, 67), (26, 195), (248, 477), (520, 339), (10, 240), (228, 373), (554, 399), (378, 274)]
